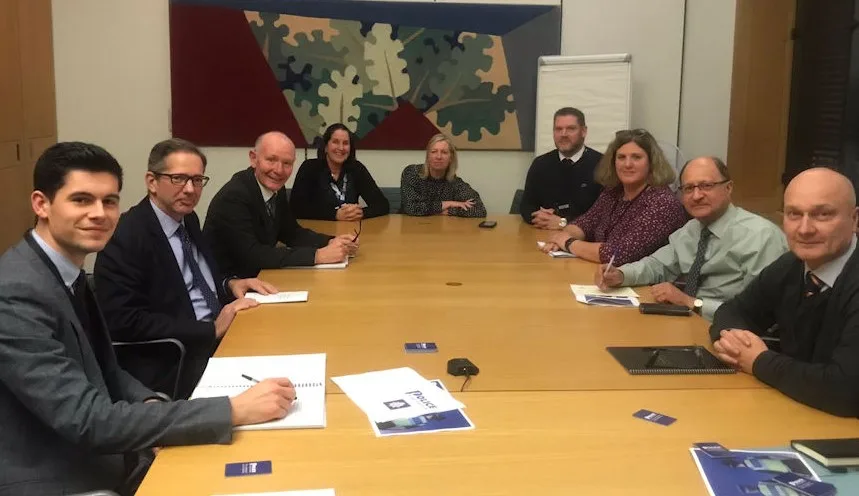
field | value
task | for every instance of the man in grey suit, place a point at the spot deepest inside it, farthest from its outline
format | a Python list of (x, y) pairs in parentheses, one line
[(72, 419)]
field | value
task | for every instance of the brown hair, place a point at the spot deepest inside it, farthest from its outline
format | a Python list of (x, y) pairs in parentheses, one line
[(660, 172)]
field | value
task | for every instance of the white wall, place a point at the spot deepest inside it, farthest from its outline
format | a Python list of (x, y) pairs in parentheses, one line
[(708, 58), (113, 85)]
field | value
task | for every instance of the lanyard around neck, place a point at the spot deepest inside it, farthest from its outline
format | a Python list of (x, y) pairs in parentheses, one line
[(340, 194)]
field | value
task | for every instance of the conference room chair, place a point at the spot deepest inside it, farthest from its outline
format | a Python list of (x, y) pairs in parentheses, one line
[(517, 200), (124, 350), (394, 198)]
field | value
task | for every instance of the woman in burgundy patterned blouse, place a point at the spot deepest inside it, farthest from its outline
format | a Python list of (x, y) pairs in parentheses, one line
[(636, 211)]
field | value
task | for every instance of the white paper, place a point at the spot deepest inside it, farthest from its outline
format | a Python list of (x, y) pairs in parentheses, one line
[(308, 492), (395, 393), (623, 296), (556, 253), (338, 265), (223, 377), (282, 297)]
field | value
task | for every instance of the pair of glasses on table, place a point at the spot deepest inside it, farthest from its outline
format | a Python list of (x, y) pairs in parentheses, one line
[(358, 231)]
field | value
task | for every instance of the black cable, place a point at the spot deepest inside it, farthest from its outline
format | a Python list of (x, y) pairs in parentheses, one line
[(465, 383)]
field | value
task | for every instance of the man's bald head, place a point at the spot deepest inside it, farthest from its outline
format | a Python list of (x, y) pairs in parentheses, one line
[(272, 159), (819, 215), (272, 138)]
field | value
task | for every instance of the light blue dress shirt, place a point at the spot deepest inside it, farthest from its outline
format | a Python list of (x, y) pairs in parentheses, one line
[(169, 225), (741, 246), (67, 269)]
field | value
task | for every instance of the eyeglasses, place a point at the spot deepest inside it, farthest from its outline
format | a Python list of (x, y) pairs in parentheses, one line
[(358, 231), (688, 189), (182, 179)]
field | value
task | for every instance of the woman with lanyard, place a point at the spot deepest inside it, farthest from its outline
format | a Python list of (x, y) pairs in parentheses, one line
[(328, 187), (635, 213)]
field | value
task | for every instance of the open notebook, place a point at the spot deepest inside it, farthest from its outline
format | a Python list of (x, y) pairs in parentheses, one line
[(223, 377)]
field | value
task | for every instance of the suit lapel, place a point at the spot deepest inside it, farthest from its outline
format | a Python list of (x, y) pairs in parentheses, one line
[(269, 224), (63, 297)]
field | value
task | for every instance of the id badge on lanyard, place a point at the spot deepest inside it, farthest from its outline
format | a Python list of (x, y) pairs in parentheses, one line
[(338, 193)]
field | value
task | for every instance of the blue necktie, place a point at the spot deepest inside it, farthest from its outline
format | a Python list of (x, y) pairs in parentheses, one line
[(694, 275), (197, 278)]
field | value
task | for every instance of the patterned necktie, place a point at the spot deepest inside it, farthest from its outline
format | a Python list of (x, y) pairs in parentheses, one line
[(694, 275), (813, 285), (270, 206), (197, 278)]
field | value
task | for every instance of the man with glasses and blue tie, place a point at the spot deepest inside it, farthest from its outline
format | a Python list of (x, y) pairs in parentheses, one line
[(157, 278), (711, 258)]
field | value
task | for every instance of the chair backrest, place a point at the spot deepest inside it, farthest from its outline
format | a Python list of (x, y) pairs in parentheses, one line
[(392, 193), (517, 200)]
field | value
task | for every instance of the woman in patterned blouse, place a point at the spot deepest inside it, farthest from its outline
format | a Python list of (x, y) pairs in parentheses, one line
[(433, 188), (635, 213)]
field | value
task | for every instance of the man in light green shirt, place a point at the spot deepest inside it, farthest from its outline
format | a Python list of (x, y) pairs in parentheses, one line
[(711, 258)]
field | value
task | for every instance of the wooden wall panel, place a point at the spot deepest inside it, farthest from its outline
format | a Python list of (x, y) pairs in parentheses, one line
[(760, 100)]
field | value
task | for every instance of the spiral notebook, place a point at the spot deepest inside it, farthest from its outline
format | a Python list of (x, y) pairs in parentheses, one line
[(226, 377), (660, 360)]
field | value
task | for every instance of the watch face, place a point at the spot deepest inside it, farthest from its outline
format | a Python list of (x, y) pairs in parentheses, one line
[(699, 303), (563, 222)]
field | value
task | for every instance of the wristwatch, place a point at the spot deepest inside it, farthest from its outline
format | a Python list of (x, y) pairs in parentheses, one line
[(698, 305), (562, 223), (568, 244)]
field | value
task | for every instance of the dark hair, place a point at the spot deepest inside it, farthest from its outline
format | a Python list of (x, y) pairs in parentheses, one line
[(720, 166), (52, 167), (578, 114), (163, 149), (326, 137)]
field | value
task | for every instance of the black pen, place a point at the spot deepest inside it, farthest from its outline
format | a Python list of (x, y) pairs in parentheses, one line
[(250, 379)]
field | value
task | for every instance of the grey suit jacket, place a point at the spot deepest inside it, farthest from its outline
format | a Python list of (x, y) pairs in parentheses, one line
[(67, 411)]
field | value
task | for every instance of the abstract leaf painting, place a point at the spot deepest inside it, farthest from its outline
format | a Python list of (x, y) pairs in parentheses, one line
[(394, 77)]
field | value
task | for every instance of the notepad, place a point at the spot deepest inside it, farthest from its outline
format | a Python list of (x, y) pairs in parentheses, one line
[(556, 253), (282, 297), (662, 360), (615, 297), (223, 377), (830, 452), (338, 265)]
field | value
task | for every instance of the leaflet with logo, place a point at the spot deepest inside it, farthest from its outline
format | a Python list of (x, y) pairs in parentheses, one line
[(386, 395), (454, 420)]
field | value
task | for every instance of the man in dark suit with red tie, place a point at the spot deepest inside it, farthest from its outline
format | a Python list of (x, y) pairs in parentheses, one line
[(157, 278), (796, 325), (250, 225)]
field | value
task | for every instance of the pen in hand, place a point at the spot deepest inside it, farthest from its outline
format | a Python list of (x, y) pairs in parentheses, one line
[(608, 267), (250, 378)]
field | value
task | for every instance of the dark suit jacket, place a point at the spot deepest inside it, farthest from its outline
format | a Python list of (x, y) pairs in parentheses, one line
[(143, 296), (244, 237), (68, 411)]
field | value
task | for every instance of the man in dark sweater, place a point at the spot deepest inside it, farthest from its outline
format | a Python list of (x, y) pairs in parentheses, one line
[(560, 184), (796, 326)]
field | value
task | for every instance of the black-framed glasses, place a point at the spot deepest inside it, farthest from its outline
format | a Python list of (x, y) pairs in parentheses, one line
[(705, 187), (182, 179), (358, 231)]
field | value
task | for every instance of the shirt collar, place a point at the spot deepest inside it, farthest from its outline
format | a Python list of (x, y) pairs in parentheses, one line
[(266, 193), (168, 224), (67, 269), (830, 271), (576, 156), (720, 225)]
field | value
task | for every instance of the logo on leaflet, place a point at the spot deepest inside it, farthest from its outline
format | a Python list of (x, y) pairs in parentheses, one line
[(396, 404)]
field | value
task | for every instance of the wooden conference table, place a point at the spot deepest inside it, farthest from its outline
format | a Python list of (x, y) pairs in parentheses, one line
[(553, 410)]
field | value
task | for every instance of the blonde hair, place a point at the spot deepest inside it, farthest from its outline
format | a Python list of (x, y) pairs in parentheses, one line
[(450, 175), (660, 172)]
